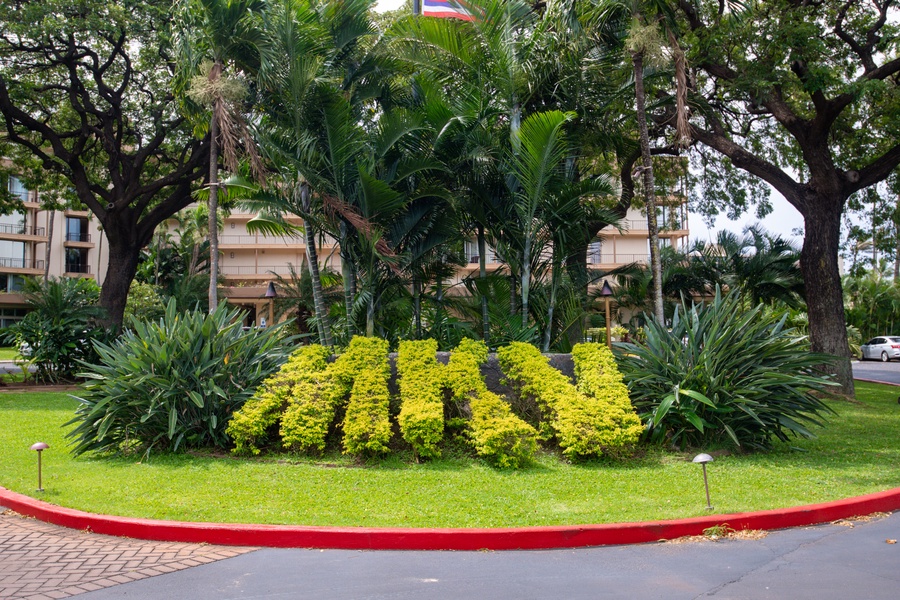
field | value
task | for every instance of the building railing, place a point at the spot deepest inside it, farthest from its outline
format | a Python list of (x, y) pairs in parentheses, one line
[(10, 229), (20, 263), (77, 268), (641, 225), (282, 269), (617, 258), (78, 237)]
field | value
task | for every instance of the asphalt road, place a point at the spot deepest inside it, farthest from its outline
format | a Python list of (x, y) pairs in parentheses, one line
[(888, 372), (831, 561)]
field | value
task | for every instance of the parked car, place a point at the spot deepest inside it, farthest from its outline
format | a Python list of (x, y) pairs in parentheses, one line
[(882, 348)]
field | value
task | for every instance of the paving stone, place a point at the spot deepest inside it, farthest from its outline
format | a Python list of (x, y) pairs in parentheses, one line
[(39, 561)]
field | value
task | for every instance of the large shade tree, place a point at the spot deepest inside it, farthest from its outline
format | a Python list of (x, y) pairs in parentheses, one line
[(85, 93), (804, 96)]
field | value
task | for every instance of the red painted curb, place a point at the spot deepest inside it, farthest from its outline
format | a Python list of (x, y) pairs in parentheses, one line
[(366, 538)]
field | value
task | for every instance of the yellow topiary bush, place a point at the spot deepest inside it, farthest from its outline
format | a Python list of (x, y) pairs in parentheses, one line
[(364, 370), (421, 417), (250, 425), (584, 423), (497, 434)]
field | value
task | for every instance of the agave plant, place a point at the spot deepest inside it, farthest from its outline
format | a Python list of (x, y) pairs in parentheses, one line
[(173, 383), (723, 373)]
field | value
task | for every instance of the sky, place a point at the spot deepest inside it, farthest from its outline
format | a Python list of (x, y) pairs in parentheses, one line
[(783, 220)]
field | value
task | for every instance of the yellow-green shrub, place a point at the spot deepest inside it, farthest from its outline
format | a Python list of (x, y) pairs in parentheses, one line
[(497, 434), (248, 426), (583, 425), (421, 415), (599, 378), (367, 428), (364, 370)]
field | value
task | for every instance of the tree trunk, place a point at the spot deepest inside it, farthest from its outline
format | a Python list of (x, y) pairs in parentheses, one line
[(49, 244), (649, 187), (482, 274), (312, 257), (123, 262), (213, 213), (824, 299), (347, 273), (526, 279)]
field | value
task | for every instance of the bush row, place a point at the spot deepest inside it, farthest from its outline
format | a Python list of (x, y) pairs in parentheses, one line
[(588, 420)]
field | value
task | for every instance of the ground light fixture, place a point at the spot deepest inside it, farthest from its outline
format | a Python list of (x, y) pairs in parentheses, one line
[(39, 447), (702, 459)]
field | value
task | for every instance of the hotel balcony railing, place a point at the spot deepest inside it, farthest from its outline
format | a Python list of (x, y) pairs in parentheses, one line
[(618, 258), (10, 229), (20, 263), (281, 269), (78, 237), (641, 225), (77, 268)]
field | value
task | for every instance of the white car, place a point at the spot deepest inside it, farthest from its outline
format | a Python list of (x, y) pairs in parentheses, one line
[(882, 348)]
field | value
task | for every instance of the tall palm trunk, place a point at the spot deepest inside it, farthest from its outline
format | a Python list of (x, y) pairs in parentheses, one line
[(482, 275), (649, 187), (312, 257), (49, 244), (213, 211), (348, 273), (526, 278)]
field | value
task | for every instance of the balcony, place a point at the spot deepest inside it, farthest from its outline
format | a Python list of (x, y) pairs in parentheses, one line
[(78, 237), (23, 266), (78, 268), (23, 233)]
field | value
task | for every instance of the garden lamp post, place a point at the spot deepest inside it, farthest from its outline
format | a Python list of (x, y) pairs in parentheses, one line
[(271, 294), (39, 447), (702, 459), (606, 292)]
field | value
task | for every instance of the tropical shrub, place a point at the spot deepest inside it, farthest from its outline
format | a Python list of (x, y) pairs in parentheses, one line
[(363, 371), (59, 331), (298, 396), (497, 434), (144, 302), (421, 417), (617, 426), (173, 383), (724, 373), (584, 425), (367, 427)]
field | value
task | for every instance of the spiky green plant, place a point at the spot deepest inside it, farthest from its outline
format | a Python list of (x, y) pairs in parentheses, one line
[(724, 373), (173, 383)]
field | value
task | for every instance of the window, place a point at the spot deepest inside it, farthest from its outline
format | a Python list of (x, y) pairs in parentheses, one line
[(10, 283), (17, 188), (76, 230), (77, 260), (12, 255)]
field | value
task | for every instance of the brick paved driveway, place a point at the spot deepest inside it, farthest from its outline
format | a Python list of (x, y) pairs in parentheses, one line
[(40, 561)]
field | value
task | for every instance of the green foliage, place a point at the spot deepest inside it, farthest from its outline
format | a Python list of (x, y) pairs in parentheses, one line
[(143, 302), (421, 415), (497, 434), (724, 373), (615, 424), (588, 420), (363, 371), (61, 326), (173, 383), (367, 428), (294, 396)]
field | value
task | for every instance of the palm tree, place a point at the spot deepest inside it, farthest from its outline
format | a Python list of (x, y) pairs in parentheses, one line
[(215, 34)]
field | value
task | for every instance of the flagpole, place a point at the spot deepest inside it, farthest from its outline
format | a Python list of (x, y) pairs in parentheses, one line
[(417, 7)]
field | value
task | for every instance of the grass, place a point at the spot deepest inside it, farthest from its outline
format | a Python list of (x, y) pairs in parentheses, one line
[(858, 453), (7, 353)]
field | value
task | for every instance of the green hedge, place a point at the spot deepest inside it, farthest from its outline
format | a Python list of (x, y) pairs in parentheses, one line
[(587, 421), (421, 417), (497, 434)]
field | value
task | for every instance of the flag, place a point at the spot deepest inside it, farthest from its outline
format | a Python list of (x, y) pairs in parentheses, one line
[(445, 9)]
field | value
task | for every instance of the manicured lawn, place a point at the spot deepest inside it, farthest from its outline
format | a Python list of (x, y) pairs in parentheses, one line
[(7, 353), (858, 453)]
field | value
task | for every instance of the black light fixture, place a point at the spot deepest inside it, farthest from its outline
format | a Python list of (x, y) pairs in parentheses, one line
[(270, 295), (606, 292), (270, 290), (39, 447), (702, 459)]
